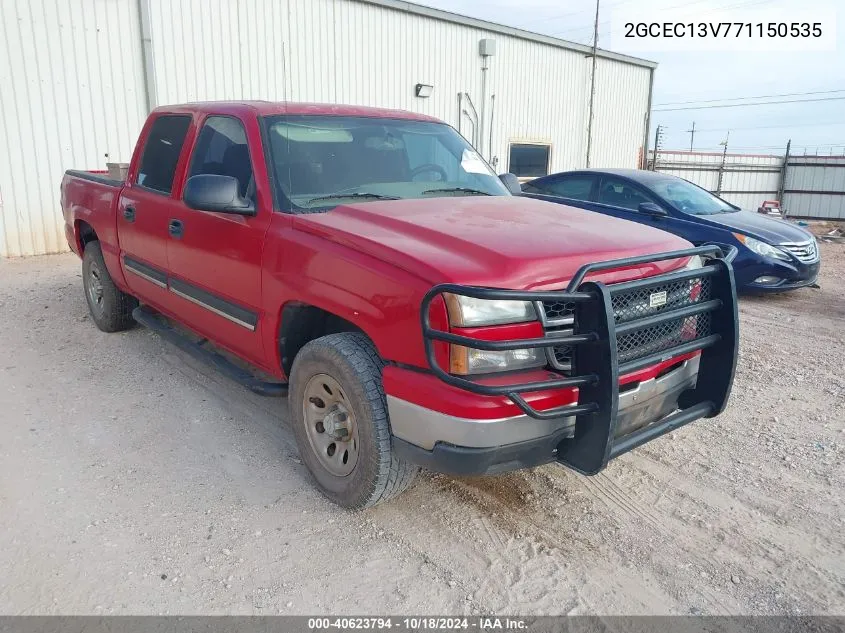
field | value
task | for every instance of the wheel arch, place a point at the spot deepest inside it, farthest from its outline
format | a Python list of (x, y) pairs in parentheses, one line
[(84, 234), (300, 323)]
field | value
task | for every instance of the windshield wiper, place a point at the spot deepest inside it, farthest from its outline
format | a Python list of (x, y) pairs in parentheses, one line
[(473, 192), (369, 196)]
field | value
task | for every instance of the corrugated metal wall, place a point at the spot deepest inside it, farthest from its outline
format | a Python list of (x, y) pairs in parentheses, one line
[(814, 186), (81, 96), (343, 51), (70, 94)]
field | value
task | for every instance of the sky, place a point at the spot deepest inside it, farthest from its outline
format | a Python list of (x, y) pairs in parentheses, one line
[(683, 76)]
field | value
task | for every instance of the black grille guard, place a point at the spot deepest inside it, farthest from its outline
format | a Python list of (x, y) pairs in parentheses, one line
[(596, 369)]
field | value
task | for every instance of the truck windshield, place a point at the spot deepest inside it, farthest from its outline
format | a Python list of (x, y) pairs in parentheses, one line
[(690, 198), (323, 161)]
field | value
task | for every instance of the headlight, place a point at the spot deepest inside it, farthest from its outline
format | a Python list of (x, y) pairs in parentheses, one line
[(762, 248), (469, 312), (694, 262), (476, 361)]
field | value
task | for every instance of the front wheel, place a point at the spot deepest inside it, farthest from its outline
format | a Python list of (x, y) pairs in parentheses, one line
[(110, 307), (339, 416)]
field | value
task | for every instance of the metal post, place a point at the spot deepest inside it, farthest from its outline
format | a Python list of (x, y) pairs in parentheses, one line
[(148, 72), (691, 135), (592, 85), (483, 106), (782, 183), (656, 147), (644, 164), (722, 164)]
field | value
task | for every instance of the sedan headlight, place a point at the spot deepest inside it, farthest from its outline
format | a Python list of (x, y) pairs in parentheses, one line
[(762, 248), (469, 312)]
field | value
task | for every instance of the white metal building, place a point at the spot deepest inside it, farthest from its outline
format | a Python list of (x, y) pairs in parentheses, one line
[(77, 78)]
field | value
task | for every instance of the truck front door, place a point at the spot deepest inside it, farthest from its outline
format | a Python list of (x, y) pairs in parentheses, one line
[(215, 258)]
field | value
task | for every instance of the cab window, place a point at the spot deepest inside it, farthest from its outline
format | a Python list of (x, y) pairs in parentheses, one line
[(161, 152), (222, 150)]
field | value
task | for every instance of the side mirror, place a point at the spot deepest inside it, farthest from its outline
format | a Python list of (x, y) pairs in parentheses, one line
[(652, 208), (212, 192), (512, 183)]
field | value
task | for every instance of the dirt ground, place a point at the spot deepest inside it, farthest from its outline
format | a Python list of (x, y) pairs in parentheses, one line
[(135, 481)]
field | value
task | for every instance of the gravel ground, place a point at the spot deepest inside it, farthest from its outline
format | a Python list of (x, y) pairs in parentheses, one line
[(135, 481)]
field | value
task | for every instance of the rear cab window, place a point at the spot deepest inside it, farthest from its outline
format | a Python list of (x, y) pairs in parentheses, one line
[(161, 152)]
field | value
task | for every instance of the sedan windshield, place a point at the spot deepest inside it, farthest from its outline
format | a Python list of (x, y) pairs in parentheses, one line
[(689, 198), (322, 161)]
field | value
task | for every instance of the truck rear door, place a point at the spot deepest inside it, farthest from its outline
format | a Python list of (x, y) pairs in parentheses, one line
[(146, 203), (215, 259)]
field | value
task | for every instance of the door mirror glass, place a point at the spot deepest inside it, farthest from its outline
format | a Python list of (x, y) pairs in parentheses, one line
[(212, 192), (651, 208), (512, 183)]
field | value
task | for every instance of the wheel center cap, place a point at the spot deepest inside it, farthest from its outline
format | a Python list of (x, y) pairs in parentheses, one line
[(336, 423)]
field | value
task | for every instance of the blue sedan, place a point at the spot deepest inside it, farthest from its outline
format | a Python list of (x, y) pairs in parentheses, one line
[(774, 255)]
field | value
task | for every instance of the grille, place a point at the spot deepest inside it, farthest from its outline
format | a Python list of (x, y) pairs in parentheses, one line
[(655, 339), (637, 304), (806, 252), (559, 312)]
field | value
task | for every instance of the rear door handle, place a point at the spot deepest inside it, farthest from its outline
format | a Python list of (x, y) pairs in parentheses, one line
[(176, 228), (129, 214)]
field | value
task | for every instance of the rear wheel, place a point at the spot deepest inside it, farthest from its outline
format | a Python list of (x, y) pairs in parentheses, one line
[(339, 416), (110, 307)]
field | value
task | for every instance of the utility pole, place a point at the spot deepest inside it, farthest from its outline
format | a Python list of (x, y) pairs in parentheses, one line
[(722, 165), (782, 183), (691, 135), (592, 85), (658, 137)]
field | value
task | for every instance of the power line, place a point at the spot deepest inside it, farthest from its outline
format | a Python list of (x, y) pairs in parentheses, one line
[(743, 105), (770, 127), (785, 94), (733, 147)]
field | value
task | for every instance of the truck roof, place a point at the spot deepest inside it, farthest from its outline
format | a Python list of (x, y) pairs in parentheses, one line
[(268, 108)]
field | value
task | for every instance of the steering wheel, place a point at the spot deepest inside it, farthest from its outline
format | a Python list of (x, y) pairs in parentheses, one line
[(429, 167)]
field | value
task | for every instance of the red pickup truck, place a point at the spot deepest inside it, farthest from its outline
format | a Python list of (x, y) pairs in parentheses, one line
[(371, 266)]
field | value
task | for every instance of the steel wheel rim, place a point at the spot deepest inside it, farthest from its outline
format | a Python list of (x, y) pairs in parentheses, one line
[(95, 286), (330, 425)]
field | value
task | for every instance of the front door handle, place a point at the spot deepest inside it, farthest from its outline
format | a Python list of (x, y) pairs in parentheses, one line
[(129, 214), (176, 228)]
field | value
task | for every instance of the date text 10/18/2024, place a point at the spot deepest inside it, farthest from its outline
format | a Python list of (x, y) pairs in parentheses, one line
[(422, 623)]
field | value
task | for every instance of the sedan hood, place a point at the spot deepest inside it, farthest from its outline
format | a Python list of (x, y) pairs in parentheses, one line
[(495, 241), (760, 226)]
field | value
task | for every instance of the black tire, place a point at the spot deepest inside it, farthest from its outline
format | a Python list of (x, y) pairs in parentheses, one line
[(352, 361), (110, 307)]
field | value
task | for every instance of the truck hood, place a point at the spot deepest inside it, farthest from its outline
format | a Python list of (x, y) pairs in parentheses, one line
[(495, 241), (757, 225)]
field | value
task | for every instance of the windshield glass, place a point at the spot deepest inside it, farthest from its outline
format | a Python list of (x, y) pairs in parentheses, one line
[(323, 161), (690, 198)]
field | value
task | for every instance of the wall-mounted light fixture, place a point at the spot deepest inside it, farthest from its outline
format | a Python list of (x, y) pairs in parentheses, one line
[(423, 90)]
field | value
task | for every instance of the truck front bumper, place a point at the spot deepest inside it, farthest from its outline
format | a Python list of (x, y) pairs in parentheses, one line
[(463, 446), (616, 332)]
